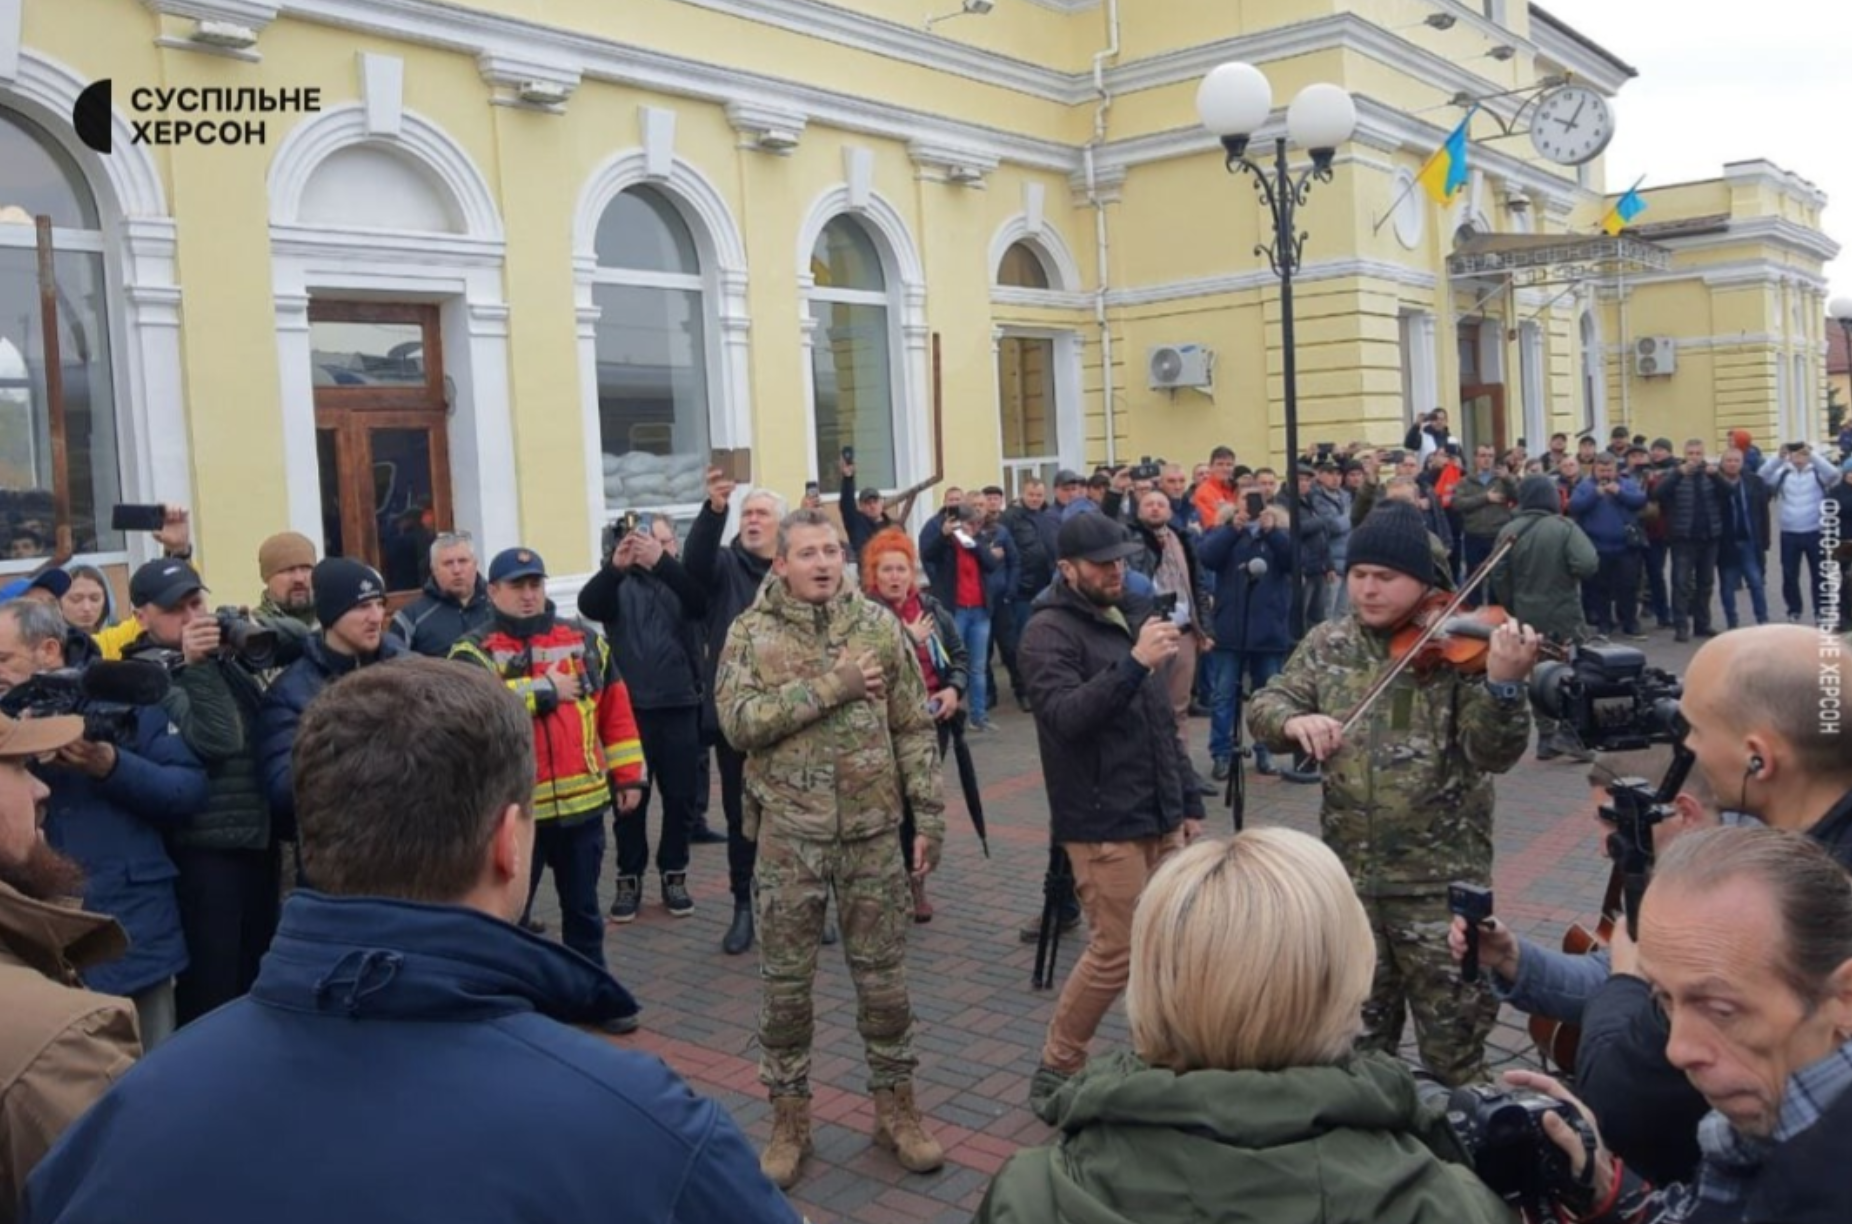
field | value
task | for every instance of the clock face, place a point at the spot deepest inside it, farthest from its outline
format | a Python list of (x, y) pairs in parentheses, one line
[(1573, 126)]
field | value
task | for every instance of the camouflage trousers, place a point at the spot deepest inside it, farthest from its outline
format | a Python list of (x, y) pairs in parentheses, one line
[(1415, 972), (874, 909)]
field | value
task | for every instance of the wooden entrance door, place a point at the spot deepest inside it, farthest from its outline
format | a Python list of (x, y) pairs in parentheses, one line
[(382, 436), (1482, 419)]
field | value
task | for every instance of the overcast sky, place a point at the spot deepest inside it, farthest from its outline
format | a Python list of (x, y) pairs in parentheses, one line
[(1731, 82)]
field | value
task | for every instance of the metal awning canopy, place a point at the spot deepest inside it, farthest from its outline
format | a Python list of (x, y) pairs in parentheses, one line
[(1533, 260)]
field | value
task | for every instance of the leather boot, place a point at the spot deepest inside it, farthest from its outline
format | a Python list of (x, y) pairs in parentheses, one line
[(783, 1157), (922, 908), (739, 935), (900, 1129)]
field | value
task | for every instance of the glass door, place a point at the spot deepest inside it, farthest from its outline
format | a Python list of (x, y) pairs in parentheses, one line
[(1030, 423)]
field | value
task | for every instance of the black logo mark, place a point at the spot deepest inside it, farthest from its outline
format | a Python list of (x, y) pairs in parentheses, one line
[(91, 116)]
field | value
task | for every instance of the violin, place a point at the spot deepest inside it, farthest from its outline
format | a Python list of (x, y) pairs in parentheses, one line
[(1557, 1040), (1461, 641)]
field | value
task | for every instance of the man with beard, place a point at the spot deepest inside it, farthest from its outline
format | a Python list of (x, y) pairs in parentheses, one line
[(62, 1046), (1120, 791), (286, 562)]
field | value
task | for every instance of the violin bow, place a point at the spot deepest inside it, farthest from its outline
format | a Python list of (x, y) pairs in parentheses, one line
[(1434, 628)]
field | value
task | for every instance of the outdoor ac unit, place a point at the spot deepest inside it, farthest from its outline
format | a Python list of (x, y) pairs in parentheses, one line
[(1654, 356), (1180, 365)]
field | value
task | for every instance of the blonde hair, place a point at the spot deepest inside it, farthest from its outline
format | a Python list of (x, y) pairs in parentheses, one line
[(1249, 954)]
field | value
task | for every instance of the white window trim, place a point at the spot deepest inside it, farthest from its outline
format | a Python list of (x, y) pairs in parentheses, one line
[(461, 273), (1069, 414), (1421, 375), (721, 250), (1531, 363), (1066, 287), (1593, 363), (137, 240), (908, 334)]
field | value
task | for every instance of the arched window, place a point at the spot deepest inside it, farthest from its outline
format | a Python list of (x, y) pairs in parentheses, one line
[(852, 353), (1022, 268), (39, 179), (653, 352)]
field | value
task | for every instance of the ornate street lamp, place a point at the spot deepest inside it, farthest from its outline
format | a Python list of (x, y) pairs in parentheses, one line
[(1235, 100)]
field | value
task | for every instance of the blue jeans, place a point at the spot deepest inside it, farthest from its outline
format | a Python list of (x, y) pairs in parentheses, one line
[(1798, 547), (1741, 563), (974, 627), (1656, 551), (1226, 668)]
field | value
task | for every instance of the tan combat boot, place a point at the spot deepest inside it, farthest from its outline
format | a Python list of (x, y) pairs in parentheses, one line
[(900, 1129), (784, 1155)]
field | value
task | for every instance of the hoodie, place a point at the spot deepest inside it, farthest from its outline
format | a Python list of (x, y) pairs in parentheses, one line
[(1344, 1144), (398, 1061)]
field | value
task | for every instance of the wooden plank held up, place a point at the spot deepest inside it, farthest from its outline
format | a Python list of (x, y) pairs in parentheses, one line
[(54, 392), (905, 496)]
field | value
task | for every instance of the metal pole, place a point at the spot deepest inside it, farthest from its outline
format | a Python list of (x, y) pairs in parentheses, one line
[(1283, 233)]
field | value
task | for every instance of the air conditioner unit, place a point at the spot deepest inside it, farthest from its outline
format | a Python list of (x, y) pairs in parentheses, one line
[(1655, 356), (1180, 365)]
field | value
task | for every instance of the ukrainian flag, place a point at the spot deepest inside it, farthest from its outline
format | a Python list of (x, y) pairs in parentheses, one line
[(1625, 210), (1446, 171)]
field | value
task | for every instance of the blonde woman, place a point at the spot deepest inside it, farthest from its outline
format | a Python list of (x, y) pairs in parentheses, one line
[(88, 604), (1243, 1103)]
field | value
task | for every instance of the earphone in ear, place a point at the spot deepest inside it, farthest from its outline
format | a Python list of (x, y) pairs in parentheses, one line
[(1756, 764)]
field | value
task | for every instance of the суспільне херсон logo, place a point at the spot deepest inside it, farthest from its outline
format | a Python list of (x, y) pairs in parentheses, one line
[(91, 116), (94, 114)]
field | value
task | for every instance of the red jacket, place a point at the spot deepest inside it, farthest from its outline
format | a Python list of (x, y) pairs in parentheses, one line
[(580, 748)]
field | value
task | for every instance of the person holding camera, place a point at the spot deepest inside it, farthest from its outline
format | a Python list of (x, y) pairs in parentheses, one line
[(1408, 793), (1241, 1098), (350, 607), (1607, 509), (1487, 500), (1539, 581), (1120, 796), (1251, 559), (408, 1052), (1691, 500), (112, 801), (1798, 482), (229, 853), (651, 610), (959, 562), (1746, 937)]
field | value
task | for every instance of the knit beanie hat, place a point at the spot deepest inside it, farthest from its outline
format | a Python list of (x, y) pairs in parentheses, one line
[(1393, 536), (1539, 493), (341, 585), (284, 550)]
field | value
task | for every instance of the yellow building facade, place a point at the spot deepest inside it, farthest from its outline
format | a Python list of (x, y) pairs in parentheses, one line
[(518, 266)]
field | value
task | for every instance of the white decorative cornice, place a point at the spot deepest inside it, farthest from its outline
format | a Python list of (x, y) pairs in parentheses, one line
[(530, 82), (1784, 235), (770, 128), (964, 167), (1782, 182), (252, 14), (1264, 278)]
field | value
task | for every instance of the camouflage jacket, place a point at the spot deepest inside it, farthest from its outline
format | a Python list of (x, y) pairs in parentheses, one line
[(1408, 798), (819, 764)]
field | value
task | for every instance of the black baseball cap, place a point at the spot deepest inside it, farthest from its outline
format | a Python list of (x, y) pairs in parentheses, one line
[(164, 584), (868, 495), (1068, 476), (1095, 538)]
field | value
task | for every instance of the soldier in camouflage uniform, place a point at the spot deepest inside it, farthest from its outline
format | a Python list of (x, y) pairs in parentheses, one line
[(821, 691), (1408, 793)]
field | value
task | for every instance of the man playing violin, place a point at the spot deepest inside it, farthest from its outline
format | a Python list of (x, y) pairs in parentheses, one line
[(1408, 791)]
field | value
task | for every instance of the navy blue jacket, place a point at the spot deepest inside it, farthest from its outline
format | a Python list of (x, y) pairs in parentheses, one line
[(397, 1061), (939, 555), (1000, 584), (113, 826), (434, 622), (1604, 520), (284, 704), (1225, 553)]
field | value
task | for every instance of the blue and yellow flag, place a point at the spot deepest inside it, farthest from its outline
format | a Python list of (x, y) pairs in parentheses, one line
[(1625, 210), (1446, 171)]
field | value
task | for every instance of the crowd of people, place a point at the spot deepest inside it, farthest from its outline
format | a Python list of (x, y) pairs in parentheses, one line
[(308, 880)]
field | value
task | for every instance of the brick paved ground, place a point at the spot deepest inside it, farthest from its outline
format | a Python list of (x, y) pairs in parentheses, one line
[(979, 1026)]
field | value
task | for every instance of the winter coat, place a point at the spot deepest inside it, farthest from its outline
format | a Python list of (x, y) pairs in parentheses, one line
[(1332, 506), (1035, 533), (1260, 623), (1745, 511), (284, 705), (1611, 522), (822, 763), (952, 656), (1108, 736), (436, 1063), (1001, 583), (939, 555), (1482, 517), (1692, 506), (583, 749), (1540, 580), (214, 703), (1343, 1144), (1797, 494), (730, 577), (652, 619), (62, 1046), (431, 624), (115, 827), (1148, 562)]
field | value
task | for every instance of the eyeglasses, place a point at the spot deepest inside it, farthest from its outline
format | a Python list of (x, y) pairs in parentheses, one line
[(453, 537)]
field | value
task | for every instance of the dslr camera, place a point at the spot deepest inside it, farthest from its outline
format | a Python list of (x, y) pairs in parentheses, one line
[(106, 695), (1145, 469), (1502, 1132), (244, 638), (1611, 699)]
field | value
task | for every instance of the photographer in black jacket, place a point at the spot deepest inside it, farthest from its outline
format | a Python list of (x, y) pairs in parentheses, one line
[(651, 609)]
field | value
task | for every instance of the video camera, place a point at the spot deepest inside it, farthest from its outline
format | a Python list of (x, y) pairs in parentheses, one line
[(247, 639), (1610, 698), (106, 695), (1502, 1132), (1145, 469)]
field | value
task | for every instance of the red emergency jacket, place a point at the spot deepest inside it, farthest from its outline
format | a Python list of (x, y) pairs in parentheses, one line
[(580, 745)]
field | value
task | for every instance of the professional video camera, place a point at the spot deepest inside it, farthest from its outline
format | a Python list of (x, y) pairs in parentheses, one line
[(1609, 697), (241, 636), (106, 695), (1146, 469), (1502, 1132)]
